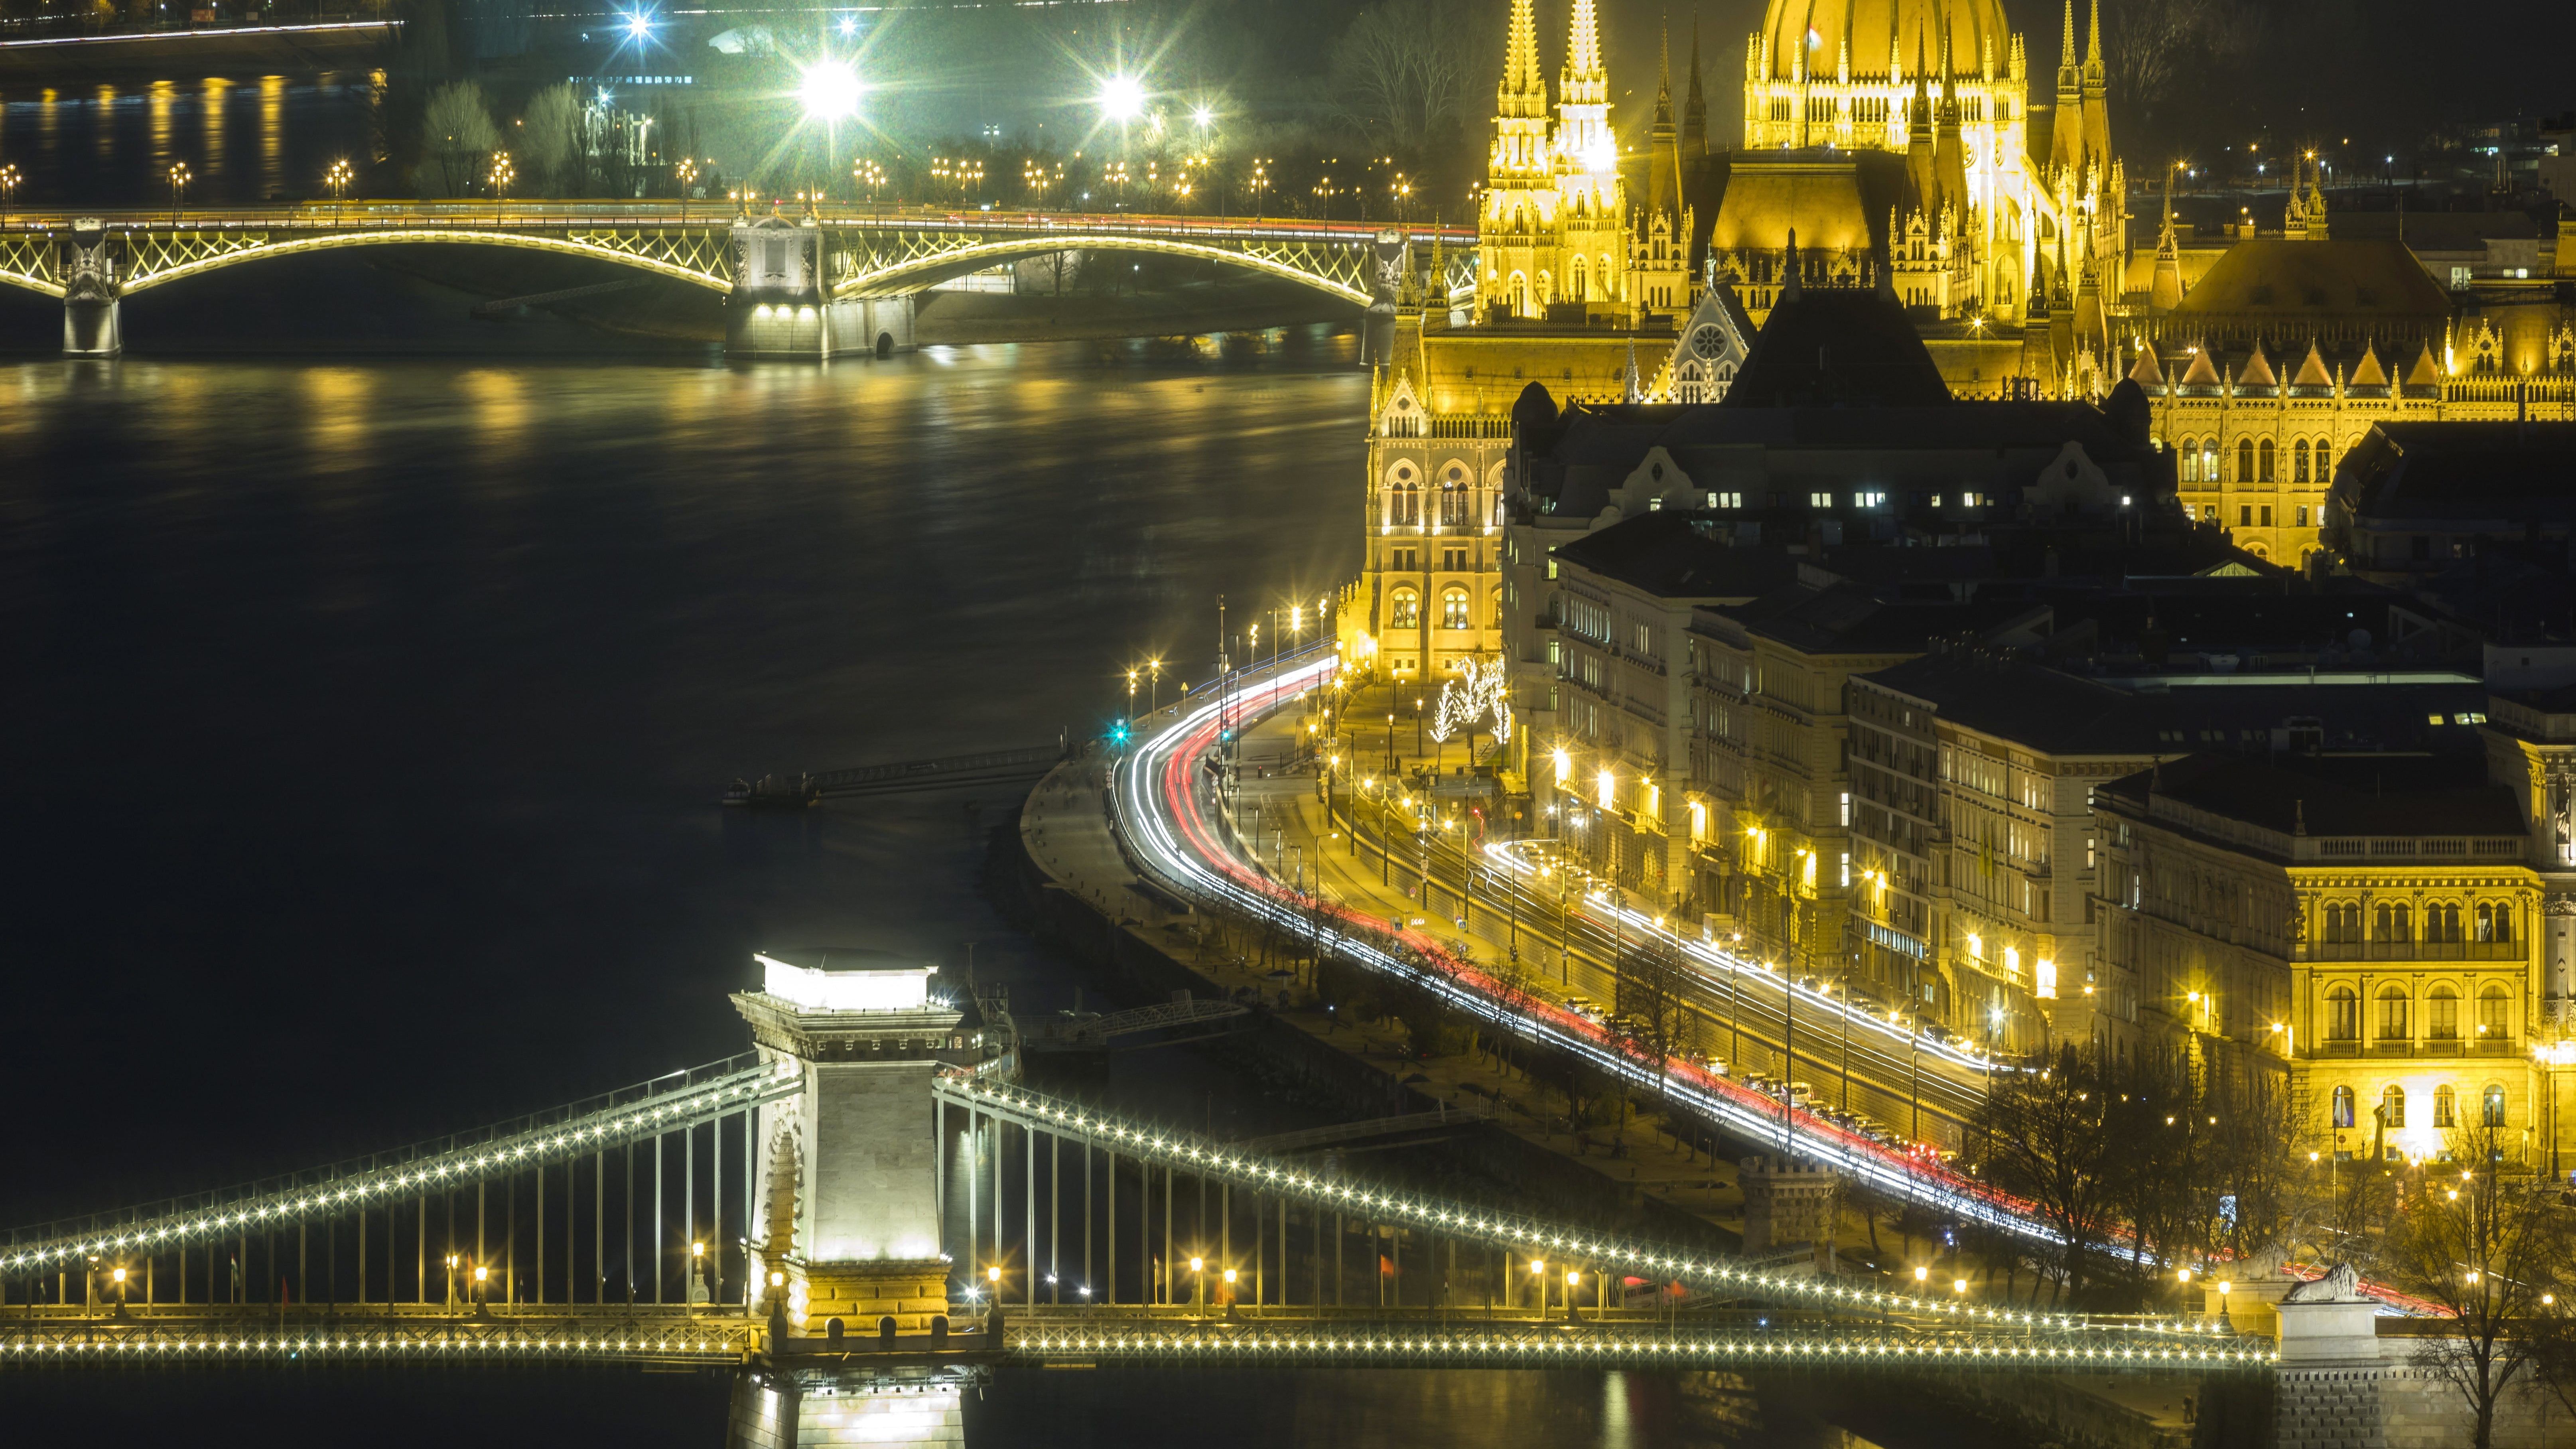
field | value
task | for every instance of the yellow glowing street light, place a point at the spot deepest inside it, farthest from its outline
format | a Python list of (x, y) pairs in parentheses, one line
[(829, 91), (9, 179), (1922, 1274), (179, 179), (993, 1274), (1229, 1277), (1198, 1265), (1959, 1285)]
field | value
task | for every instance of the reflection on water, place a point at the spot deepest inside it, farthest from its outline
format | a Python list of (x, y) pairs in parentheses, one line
[(244, 139)]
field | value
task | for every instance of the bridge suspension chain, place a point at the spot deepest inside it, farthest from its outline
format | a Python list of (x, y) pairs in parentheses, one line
[(1560, 1345), (1219, 1162), (667, 1104)]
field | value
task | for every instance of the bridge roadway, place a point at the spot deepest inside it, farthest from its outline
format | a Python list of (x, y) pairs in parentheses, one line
[(1235, 1336)]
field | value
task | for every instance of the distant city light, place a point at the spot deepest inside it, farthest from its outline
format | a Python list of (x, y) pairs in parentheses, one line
[(639, 25), (830, 91), (1122, 98), (849, 25)]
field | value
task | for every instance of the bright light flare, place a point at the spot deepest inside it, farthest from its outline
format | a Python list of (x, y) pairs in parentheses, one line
[(829, 90), (639, 26), (1122, 98)]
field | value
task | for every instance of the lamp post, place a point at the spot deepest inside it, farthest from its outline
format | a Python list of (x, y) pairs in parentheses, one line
[(687, 171), (8, 187), (179, 179), (338, 178), (502, 174), (1154, 689)]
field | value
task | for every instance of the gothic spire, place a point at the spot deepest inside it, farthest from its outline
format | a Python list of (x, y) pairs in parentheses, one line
[(1694, 103), (1583, 52), (1524, 88), (2093, 41)]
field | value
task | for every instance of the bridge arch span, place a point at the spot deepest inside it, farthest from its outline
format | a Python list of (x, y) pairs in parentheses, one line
[(159, 258), (1346, 279)]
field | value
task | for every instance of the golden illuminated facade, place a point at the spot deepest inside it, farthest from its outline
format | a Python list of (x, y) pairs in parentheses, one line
[(1553, 230)]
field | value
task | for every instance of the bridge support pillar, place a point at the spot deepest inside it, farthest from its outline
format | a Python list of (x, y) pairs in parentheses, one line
[(93, 292), (2328, 1390), (845, 1211), (778, 308), (1787, 1203), (787, 1405)]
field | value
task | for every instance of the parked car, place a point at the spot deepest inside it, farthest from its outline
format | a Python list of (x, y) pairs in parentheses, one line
[(1584, 1006)]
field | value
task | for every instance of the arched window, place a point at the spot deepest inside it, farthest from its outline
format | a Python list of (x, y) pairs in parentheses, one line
[(2342, 922), (1609, 279), (2244, 460), (2343, 1106), (2495, 1014), (2190, 461), (2265, 457), (1404, 610), (2491, 1105), (1453, 608), (2299, 461), (2392, 1013), (2209, 460), (2442, 1014), (1403, 497), (2446, 1106), (1546, 289), (2325, 472), (2392, 1107), (1574, 281), (1454, 501), (2442, 922), (2495, 921), (1520, 292), (2343, 1015), (2393, 923)]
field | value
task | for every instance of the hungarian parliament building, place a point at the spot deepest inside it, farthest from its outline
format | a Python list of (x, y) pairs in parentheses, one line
[(1897, 148)]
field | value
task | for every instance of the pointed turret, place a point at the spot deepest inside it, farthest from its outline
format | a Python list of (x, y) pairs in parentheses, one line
[(1953, 163), (2317, 202), (1920, 166), (2202, 372), (1694, 138), (1524, 90), (2146, 374), (2091, 322), (1662, 189), (2097, 96), (2368, 373), (1630, 390), (1583, 139), (2164, 291), (1789, 288), (2066, 127)]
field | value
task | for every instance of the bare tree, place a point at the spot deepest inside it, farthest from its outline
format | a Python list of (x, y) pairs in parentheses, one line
[(459, 133), (550, 141), (2146, 43), (2490, 1248), (1409, 70), (2054, 1137)]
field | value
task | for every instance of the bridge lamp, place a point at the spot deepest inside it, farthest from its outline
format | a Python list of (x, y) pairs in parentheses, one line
[(1922, 1275), (829, 90), (849, 25), (1122, 98), (1959, 1286), (1202, 117), (1229, 1277), (993, 1275), (1198, 1265)]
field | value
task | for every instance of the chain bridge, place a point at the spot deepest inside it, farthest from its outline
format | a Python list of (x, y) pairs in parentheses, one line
[(870, 1212), (826, 282)]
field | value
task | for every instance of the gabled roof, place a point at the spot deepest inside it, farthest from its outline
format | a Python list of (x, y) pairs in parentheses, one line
[(2312, 373), (2202, 372), (1666, 555), (2301, 283), (2368, 373), (2146, 373), (2258, 370), (2426, 372)]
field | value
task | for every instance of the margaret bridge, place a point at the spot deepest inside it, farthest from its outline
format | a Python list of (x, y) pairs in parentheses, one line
[(810, 283), (872, 1211)]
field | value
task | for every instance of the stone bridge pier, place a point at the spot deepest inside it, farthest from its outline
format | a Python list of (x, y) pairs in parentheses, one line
[(779, 307), (93, 291)]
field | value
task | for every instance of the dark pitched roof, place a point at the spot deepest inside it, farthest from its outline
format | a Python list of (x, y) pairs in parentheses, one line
[(2299, 284), (2445, 794), (1666, 555), (2064, 714), (1837, 347), (2462, 470), (1848, 619)]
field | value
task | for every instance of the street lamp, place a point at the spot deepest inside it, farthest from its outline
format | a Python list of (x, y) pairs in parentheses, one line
[(8, 187), (829, 91), (503, 173), (179, 179), (1122, 98), (338, 178), (687, 171)]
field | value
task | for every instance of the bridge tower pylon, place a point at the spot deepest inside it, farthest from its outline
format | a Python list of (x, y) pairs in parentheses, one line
[(781, 305), (845, 1207)]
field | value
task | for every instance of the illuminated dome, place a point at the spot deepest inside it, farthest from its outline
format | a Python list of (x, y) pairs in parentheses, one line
[(1878, 29)]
